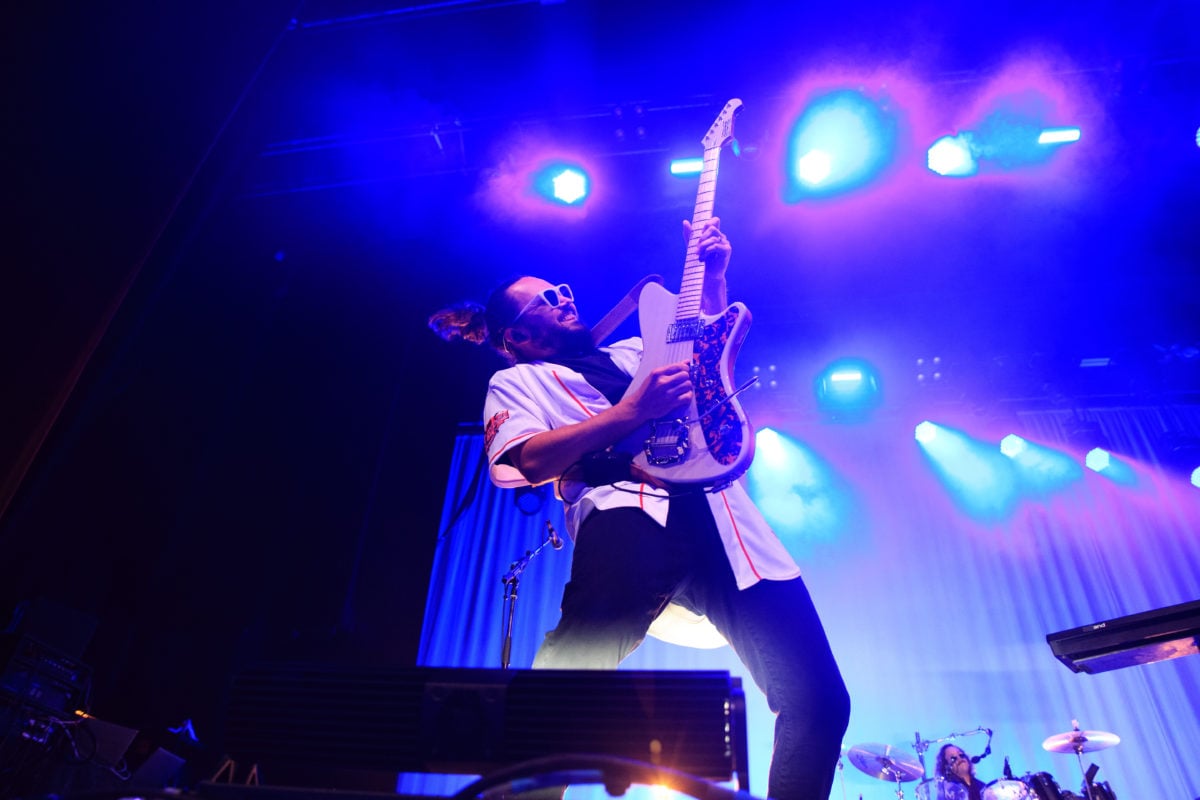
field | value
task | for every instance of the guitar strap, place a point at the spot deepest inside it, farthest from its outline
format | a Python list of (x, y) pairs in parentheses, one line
[(621, 311), (600, 371)]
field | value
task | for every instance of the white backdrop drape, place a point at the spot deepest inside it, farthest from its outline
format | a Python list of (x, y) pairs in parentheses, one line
[(938, 617)]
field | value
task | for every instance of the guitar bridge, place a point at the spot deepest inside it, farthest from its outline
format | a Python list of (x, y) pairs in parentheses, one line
[(667, 444)]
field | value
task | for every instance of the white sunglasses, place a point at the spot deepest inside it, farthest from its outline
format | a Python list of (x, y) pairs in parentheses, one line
[(552, 296)]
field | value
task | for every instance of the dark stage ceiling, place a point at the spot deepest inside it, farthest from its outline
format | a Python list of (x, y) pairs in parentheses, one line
[(357, 141), (381, 134)]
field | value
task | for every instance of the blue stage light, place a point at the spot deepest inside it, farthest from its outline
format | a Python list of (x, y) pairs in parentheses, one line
[(1097, 459), (848, 386), (951, 156), (566, 184), (768, 446), (570, 186), (686, 167), (841, 141), (1196, 477), (1059, 136), (981, 481), (814, 167), (1040, 470), (1105, 463), (1007, 139), (797, 492), (1013, 445)]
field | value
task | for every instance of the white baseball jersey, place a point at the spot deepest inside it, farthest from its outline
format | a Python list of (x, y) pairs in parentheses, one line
[(527, 399)]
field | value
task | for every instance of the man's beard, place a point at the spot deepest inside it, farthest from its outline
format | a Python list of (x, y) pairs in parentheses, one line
[(573, 341)]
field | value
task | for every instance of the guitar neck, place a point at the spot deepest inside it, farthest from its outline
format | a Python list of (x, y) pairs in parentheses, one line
[(691, 290), (709, 441)]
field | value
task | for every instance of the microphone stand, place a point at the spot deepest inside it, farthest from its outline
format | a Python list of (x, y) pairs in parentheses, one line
[(510, 580), (922, 745)]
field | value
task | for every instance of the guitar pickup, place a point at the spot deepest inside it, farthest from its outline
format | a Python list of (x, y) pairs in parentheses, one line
[(684, 331), (668, 443)]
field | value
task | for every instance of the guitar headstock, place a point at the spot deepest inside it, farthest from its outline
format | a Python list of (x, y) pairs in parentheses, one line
[(721, 131)]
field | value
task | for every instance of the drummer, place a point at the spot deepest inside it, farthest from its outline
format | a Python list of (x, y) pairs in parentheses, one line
[(955, 767)]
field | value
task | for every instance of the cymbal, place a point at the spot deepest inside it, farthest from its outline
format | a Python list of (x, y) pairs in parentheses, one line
[(886, 762), (1080, 741)]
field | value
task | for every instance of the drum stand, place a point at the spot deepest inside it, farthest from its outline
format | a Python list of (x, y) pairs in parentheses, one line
[(921, 745), (1080, 742), (1087, 784)]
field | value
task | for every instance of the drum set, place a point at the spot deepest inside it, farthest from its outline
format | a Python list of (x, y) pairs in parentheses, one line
[(897, 766)]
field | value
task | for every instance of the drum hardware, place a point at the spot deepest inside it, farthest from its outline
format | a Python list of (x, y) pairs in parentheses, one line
[(941, 789), (922, 745), (1006, 789), (937, 788), (1080, 742), (886, 763), (1043, 785)]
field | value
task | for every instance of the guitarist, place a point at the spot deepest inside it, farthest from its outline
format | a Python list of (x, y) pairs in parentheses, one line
[(640, 548)]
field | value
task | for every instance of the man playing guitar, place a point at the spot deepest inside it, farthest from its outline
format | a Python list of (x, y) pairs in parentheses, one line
[(642, 546)]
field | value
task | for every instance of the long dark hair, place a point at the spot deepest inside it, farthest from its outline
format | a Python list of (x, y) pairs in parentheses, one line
[(943, 769)]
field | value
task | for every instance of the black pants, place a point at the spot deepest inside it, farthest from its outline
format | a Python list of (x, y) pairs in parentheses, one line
[(626, 568)]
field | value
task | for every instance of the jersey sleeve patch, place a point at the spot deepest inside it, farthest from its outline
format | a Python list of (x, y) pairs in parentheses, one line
[(492, 428)]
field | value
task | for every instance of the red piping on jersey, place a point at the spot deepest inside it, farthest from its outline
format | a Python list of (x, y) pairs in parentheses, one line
[(515, 439), (571, 394), (738, 534)]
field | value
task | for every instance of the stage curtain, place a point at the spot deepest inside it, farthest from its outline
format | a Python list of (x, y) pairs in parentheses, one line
[(938, 616)]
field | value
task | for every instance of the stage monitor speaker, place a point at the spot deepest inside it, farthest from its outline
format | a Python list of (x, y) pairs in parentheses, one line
[(475, 721)]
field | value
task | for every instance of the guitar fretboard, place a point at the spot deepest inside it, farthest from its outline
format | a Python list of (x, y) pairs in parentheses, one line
[(691, 290)]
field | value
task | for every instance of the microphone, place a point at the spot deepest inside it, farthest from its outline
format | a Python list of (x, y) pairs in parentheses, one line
[(987, 751), (555, 540)]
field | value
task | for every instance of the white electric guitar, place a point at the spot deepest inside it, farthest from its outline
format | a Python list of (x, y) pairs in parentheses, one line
[(711, 443)]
